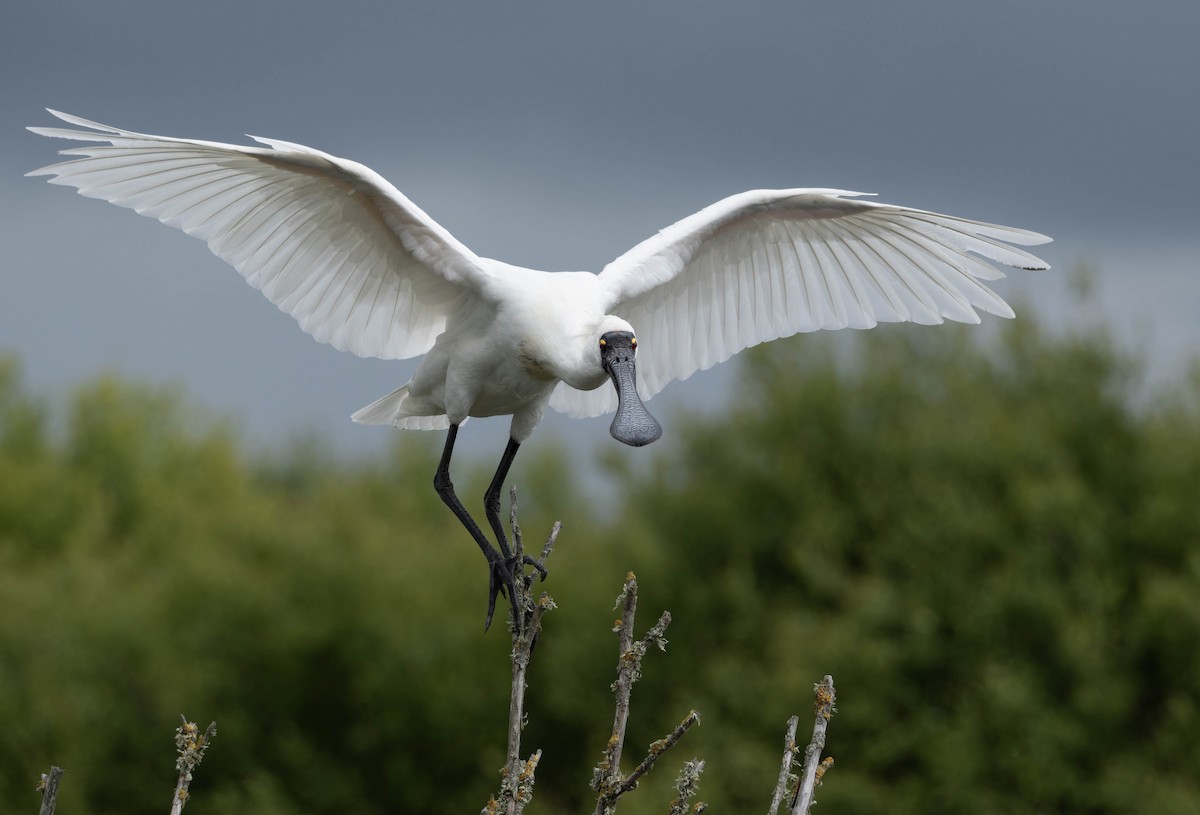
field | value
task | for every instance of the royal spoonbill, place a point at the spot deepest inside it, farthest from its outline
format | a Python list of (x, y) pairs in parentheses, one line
[(364, 269)]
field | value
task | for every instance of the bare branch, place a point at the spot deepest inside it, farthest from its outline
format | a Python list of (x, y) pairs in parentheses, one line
[(522, 559), (608, 772), (549, 545), (515, 791), (607, 780), (518, 540), (192, 748), (516, 784), (814, 767), (785, 768), (657, 749), (686, 786), (48, 787)]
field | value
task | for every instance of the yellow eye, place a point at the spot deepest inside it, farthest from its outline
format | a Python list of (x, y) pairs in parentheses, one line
[(603, 344), (634, 342)]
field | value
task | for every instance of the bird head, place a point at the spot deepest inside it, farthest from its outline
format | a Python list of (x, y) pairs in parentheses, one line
[(633, 424)]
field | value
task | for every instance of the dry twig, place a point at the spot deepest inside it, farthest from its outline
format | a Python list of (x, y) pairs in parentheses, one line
[(517, 775), (657, 749), (48, 787), (607, 780), (685, 789), (191, 747), (785, 768), (814, 766)]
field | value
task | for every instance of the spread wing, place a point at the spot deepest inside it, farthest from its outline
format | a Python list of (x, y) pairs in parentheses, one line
[(327, 240), (771, 263)]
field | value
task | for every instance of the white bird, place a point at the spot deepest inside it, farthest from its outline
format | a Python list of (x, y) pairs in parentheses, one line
[(364, 269)]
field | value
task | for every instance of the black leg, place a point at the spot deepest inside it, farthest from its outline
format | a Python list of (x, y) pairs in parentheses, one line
[(491, 498), (501, 576), (491, 508)]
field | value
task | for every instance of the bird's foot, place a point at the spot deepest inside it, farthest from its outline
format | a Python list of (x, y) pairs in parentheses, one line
[(503, 573), (501, 579), (540, 567)]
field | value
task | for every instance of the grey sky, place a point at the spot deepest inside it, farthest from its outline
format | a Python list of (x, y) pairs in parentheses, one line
[(556, 135)]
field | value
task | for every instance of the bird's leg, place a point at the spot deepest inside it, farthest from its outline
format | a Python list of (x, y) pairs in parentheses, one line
[(491, 508), (491, 498), (501, 575)]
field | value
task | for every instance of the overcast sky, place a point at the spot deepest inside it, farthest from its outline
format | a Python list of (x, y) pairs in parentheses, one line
[(558, 134)]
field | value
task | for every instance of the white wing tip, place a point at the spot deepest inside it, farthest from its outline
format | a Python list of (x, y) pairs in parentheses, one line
[(829, 191), (79, 121), (1031, 238)]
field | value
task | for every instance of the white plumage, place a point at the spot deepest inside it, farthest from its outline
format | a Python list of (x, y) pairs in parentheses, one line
[(362, 268)]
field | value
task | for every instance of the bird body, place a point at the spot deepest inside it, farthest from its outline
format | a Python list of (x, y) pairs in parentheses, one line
[(361, 267), (506, 359)]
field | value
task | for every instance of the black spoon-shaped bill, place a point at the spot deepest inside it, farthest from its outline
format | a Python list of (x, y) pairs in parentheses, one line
[(633, 424)]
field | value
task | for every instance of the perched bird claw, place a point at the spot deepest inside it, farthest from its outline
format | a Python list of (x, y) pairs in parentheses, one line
[(501, 579), (537, 565)]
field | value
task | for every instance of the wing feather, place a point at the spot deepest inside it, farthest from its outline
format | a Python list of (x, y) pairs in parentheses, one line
[(327, 240), (771, 263), (854, 304)]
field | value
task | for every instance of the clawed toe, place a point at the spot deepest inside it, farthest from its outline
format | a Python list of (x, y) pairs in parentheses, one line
[(501, 579), (503, 573), (536, 564)]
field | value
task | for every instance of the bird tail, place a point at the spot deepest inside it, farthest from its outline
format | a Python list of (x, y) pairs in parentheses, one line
[(391, 409)]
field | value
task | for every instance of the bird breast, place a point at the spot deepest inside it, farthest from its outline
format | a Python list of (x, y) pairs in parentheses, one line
[(551, 322), (532, 364)]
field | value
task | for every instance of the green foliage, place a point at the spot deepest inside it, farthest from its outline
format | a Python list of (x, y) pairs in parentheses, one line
[(988, 543), (975, 545)]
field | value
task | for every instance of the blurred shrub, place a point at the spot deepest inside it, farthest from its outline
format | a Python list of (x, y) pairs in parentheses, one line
[(989, 544)]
